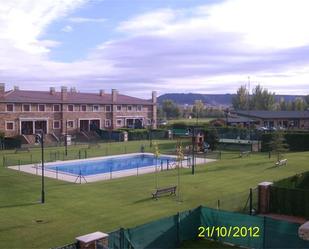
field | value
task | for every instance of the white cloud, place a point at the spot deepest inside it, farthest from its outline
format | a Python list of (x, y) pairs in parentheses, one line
[(86, 20), (67, 29), (22, 22), (210, 48)]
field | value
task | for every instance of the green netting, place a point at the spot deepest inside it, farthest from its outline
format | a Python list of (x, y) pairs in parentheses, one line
[(239, 229), (248, 231), (281, 234)]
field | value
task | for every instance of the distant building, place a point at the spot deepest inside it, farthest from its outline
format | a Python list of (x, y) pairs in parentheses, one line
[(270, 119), (25, 112)]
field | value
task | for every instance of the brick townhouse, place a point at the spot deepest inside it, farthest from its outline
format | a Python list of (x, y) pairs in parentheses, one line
[(25, 112)]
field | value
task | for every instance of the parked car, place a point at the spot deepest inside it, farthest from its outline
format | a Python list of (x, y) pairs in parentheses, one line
[(162, 122)]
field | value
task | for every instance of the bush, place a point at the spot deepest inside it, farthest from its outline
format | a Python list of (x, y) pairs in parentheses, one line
[(138, 134), (12, 142), (295, 141)]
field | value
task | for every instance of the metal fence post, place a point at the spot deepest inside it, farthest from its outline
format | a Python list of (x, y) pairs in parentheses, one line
[(250, 202), (31, 158), (19, 164)]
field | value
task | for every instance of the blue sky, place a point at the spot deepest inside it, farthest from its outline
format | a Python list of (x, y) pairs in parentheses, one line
[(166, 45)]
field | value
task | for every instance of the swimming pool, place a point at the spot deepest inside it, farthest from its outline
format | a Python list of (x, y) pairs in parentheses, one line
[(112, 164)]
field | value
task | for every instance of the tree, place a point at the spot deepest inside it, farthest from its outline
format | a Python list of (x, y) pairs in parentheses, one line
[(212, 138), (170, 109), (262, 99), (197, 109), (278, 144), (240, 100), (299, 104)]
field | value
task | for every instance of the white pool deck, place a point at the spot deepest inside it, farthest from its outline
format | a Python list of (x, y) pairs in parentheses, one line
[(37, 170)]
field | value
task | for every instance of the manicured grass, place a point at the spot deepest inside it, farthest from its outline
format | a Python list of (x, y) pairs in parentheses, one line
[(190, 121), (71, 209)]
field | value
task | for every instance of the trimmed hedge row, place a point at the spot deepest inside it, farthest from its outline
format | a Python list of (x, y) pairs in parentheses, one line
[(143, 134), (296, 141)]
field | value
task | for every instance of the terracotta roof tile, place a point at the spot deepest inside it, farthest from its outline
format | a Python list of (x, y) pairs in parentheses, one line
[(72, 97)]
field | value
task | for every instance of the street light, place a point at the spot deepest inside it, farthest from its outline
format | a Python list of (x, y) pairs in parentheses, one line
[(66, 138), (39, 139), (193, 149)]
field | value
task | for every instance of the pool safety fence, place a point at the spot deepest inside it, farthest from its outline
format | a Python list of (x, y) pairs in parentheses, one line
[(206, 223)]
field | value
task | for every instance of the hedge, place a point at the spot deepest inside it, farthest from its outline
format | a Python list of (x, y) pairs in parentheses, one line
[(296, 141), (12, 142), (142, 134)]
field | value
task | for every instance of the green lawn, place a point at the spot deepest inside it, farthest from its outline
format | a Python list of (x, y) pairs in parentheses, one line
[(190, 121), (72, 209)]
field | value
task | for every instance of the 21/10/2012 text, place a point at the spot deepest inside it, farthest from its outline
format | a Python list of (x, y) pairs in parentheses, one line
[(231, 231)]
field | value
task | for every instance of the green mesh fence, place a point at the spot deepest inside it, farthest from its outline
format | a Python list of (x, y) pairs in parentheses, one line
[(289, 201), (239, 229)]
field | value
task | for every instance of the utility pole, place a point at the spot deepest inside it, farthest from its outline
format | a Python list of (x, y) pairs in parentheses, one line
[(39, 138)]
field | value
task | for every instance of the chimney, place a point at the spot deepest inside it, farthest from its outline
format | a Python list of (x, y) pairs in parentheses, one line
[(154, 97), (52, 91), (16, 88), (2, 90), (114, 95), (64, 93), (73, 89), (102, 92)]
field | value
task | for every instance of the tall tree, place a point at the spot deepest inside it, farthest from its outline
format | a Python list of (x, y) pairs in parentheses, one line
[(240, 100), (299, 104), (170, 109), (197, 109), (262, 99), (278, 144)]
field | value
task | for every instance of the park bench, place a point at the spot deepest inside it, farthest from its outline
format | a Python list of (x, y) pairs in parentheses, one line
[(22, 149), (161, 191), (282, 162), (244, 153)]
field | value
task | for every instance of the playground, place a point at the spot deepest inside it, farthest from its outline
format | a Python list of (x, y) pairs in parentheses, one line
[(71, 209)]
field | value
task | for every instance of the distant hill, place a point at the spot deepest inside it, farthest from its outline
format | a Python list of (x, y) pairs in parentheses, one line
[(211, 99)]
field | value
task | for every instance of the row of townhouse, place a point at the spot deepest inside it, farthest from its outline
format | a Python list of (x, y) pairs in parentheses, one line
[(68, 111)]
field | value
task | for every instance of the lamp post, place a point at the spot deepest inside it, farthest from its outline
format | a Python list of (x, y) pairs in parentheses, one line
[(66, 138), (193, 150), (39, 138)]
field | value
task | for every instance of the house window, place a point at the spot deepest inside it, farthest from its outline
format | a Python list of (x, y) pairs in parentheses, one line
[(108, 108), (70, 108), (119, 122), (26, 108), (148, 121), (9, 125), (95, 108), (10, 107), (41, 108), (56, 108), (70, 124), (56, 124), (107, 123), (118, 108), (129, 108), (139, 108), (83, 108)]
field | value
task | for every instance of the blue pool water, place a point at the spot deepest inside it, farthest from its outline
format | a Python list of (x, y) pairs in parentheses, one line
[(93, 167)]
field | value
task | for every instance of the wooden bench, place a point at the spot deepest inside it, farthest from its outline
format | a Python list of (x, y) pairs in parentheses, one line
[(244, 153), (161, 191), (22, 149), (282, 162)]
